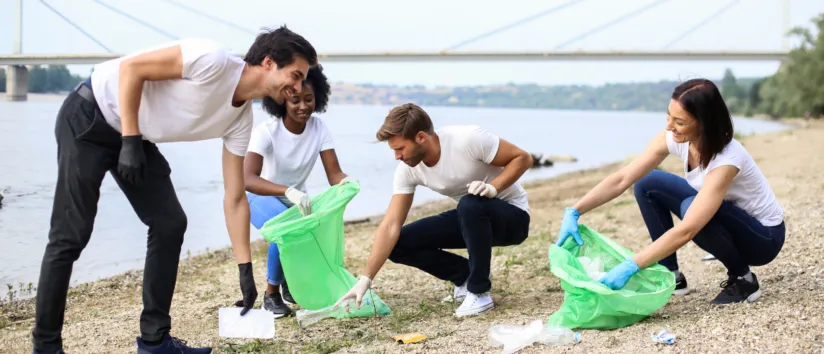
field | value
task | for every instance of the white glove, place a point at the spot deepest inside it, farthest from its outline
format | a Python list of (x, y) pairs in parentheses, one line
[(357, 291), (482, 189), (300, 199), (347, 179)]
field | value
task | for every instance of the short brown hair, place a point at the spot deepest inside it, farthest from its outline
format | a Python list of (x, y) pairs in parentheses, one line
[(405, 120)]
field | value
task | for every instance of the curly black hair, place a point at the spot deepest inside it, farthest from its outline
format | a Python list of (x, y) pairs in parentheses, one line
[(320, 87), (282, 46)]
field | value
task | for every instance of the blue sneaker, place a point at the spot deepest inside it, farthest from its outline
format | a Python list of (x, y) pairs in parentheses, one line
[(59, 351), (168, 346)]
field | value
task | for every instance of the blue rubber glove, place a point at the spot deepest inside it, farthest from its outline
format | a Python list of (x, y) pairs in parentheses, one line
[(619, 275), (569, 226)]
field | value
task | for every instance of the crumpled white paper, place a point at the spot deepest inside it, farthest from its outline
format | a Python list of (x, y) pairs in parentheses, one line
[(254, 324)]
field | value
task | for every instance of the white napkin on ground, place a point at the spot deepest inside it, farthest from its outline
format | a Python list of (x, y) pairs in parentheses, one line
[(254, 324)]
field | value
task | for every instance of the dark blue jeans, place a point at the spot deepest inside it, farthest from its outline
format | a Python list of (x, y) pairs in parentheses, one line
[(477, 224), (734, 237)]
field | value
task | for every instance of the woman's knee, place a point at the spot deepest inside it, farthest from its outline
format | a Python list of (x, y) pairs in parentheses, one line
[(646, 183), (685, 204)]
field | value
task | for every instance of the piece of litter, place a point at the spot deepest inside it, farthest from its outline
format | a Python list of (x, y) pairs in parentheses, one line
[(254, 324), (409, 338), (664, 337)]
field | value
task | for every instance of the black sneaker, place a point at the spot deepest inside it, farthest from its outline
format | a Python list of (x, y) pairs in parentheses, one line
[(287, 296), (273, 303), (169, 345), (681, 287), (738, 289)]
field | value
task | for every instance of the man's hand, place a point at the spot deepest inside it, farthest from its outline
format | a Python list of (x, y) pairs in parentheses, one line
[(247, 286), (300, 199), (482, 189), (356, 292), (132, 162)]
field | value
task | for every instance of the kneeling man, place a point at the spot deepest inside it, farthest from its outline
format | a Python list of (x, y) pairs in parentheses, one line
[(475, 168)]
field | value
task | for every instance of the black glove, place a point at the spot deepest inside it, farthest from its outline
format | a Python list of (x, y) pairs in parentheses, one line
[(132, 162), (247, 287)]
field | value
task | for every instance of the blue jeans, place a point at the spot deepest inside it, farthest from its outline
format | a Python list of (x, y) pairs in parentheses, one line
[(263, 208), (734, 237)]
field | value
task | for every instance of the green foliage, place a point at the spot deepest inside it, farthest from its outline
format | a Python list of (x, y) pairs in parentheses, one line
[(796, 88), (49, 79)]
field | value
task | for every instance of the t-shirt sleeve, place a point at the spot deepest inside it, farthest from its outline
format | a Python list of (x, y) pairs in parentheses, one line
[(260, 143), (238, 134), (482, 144), (404, 182), (326, 141), (730, 156), (203, 59)]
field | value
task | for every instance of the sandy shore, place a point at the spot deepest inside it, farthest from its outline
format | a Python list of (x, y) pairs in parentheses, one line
[(103, 316)]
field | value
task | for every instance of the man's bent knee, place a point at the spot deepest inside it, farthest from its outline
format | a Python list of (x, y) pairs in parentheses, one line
[(472, 204), (172, 227)]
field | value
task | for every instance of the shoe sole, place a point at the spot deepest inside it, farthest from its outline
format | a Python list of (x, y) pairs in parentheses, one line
[(275, 314), (449, 299), (752, 298), (476, 311), (680, 292)]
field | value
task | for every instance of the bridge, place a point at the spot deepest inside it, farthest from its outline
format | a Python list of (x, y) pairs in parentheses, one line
[(17, 62)]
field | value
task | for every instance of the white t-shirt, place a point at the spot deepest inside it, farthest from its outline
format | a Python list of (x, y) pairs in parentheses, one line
[(289, 158), (466, 151), (196, 107), (749, 189)]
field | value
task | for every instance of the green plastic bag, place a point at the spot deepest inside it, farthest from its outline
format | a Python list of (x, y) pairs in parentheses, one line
[(311, 252), (590, 304)]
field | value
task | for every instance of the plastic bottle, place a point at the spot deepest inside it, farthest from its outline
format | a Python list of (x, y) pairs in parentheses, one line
[(514, 338), (308, 317)]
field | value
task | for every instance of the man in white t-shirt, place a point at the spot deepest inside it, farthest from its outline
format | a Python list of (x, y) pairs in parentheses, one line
[(186, 90), (473, 167)]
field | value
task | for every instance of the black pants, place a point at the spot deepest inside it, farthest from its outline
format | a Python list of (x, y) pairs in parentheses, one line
[(87, 148), (477, 224)]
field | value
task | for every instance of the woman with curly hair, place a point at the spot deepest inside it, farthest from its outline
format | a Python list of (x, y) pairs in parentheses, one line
[(281, 154)]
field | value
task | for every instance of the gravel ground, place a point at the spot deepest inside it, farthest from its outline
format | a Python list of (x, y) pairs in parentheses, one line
[(102, 317)]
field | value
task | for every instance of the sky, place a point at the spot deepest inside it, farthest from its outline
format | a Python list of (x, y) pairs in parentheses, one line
[(431, 25)]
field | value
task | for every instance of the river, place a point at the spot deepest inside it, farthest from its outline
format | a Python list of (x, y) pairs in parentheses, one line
[(118, 242)]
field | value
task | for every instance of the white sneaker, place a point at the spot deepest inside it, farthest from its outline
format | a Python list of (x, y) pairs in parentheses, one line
[(474, 304), (459, 294)]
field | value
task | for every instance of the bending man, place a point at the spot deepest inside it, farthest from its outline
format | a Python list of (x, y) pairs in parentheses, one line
[(470, 165), (187, 90)]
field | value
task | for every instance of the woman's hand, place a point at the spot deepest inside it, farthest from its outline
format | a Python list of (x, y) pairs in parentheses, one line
[(569, 226)]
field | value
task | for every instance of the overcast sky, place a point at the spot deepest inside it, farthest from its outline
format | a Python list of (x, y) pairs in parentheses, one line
[(381, 25)]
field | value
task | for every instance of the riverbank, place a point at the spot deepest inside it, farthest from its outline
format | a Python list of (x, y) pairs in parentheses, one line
[(103, 316)]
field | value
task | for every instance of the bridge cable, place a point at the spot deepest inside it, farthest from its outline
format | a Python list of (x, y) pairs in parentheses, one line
[(702, 23), (514, 24), (208, 16), (87, 34), (145, 24), (611, 23)]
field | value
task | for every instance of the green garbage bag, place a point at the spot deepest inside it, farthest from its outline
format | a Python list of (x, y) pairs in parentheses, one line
[(590, 304), (311, 252)]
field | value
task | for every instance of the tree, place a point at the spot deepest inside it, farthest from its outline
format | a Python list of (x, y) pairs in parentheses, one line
[(796, 87)]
